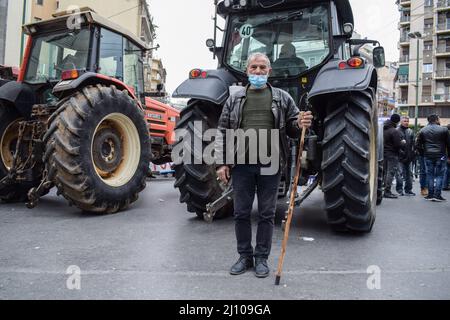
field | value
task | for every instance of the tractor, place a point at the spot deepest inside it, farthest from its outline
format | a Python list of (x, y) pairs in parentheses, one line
[(162, 119), (74, 119), (316, 60)]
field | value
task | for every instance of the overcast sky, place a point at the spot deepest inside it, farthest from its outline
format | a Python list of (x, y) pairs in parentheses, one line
[(184, 26)]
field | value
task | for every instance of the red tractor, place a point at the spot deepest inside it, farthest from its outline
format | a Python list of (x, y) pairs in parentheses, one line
[(162, 120), (75, 117)]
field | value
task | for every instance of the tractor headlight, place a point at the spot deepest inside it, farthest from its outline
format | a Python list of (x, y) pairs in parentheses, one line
[(227, 3), (348, 29), (243, 3)]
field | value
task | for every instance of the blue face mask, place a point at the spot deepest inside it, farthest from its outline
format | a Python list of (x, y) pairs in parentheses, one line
[(258, 81)]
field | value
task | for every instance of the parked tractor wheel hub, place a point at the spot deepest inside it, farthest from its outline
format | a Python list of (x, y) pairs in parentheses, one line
[(116, 149), (107, 150)]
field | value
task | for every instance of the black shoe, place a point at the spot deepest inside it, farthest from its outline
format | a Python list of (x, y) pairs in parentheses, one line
[(446, 189), (439, 199), (390, 195), (244, 263), (401, 194), (261, 268), (410, 194), (429, 198)]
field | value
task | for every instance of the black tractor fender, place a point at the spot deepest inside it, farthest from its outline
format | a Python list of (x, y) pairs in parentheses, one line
[(331, 80), (18, 95), (3, 82), (213, 88)]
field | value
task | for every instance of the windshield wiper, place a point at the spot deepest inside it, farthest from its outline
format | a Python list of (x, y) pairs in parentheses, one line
[(287, 17)]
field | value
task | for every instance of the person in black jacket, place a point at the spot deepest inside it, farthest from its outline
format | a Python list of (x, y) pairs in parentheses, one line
[(407, 156), (447, 176), (393, 144), (434, 140)]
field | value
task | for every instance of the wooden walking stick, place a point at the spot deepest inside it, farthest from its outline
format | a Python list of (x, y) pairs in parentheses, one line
[(291, 208)]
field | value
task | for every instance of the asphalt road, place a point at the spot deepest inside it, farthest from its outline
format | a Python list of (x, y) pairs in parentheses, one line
[(158, 251)]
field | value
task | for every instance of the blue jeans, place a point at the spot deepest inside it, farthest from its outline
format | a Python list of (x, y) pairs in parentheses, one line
[(446, 183), (435, 175), (423, 173), (248, 181), (404, 177)]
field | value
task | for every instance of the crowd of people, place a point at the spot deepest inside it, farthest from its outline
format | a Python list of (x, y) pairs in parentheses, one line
[(427, 153)]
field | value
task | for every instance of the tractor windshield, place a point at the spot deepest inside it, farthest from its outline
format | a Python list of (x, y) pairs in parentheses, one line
[(295, 41), (55, 53)]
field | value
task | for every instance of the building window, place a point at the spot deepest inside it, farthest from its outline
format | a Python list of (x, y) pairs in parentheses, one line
[(40, 2), (428, 68)]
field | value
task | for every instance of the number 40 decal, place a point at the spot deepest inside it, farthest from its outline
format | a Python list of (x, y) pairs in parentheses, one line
[(246, 31)]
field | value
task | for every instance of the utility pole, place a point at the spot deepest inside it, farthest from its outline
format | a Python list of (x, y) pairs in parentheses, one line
[(418, 37)]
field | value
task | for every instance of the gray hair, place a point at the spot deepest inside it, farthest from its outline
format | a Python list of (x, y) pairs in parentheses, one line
[(257, 55)]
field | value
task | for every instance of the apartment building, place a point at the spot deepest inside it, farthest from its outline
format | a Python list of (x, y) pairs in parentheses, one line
[(158, 78), (424, 42), (43, 9), (13, 14)]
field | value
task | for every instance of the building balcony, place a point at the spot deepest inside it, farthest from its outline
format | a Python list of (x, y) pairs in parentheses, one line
[(403, 80), (443, 28), (428, 34), (427, 79), (402, 102), (442, 74), (404, 60), (441, 98), (442, 51), (427, 100), (405, 20), (404, 3), (404, 40), (443, 5)]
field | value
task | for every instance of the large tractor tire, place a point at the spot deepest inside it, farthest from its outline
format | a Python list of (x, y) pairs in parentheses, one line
[(198, 183), (98, 150), (350, 162), (9, 133)]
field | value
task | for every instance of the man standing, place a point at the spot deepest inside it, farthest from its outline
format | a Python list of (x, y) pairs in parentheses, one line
[(258, 107), (393, 143), (404, 173), (447, 176), (434, 140)]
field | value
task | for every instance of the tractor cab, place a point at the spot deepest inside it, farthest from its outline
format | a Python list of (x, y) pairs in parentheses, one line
[(298, 36), (74, 47)]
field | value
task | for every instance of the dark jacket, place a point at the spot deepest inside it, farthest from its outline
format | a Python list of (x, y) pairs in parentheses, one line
[(407, 154), (434, 141), (285, 114), (392, 140)]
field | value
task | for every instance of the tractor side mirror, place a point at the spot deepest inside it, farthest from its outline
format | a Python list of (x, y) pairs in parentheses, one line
[(379, 59), (210, 43)]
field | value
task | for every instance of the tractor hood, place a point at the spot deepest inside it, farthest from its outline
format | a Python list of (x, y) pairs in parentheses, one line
[(343, 6)]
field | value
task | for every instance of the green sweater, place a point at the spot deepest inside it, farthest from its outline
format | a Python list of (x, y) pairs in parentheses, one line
[(257, 115)]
